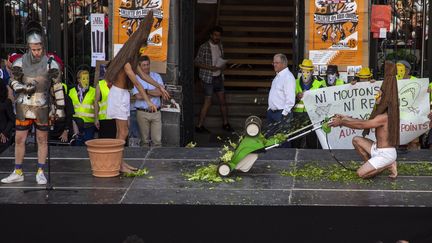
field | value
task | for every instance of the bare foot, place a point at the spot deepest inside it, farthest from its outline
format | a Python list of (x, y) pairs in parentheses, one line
[(124, 169), (393, 170), (129, 167)]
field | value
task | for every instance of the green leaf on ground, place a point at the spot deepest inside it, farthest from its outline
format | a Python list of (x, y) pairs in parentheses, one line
[(140, 172), (208, 174)]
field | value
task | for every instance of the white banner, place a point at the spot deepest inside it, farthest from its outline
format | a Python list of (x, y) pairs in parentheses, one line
[(97, 37), (358, 101)]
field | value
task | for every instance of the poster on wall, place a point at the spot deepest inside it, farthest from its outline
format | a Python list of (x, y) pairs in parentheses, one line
[(337, 31), (126, 18), (97, 38)]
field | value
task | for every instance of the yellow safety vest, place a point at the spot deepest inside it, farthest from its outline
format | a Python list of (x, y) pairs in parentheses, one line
[(339, 82), (103, 103), (84, 110), (316, 84), (430, 87), (411, 77), (65, 88)]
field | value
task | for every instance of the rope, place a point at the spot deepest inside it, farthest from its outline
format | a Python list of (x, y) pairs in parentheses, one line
[(334, 156)]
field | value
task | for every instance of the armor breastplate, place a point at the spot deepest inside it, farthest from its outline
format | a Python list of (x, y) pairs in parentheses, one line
[(34, 106)]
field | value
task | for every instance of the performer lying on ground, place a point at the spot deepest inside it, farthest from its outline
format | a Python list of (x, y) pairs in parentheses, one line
[(379, 155), (121, 72)]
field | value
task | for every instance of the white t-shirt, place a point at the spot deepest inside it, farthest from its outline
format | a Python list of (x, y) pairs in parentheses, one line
[(216, 54)]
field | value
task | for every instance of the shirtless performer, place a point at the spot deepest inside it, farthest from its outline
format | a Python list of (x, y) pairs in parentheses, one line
[(121, 72), (379, 155)]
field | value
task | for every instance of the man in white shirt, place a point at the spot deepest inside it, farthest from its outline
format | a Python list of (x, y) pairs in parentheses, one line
[(282, 93)]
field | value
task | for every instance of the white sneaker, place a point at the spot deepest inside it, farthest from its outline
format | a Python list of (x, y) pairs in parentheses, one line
[(13, 177), (40, 178)]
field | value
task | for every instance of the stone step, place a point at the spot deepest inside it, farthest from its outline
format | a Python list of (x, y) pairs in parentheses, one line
[(247, 83), (257, 50), (249, 72), (238, 29), (256, 8), (246, 98), (257, 40), (237, 110), (255, 61), (216, 122), (272, 19)]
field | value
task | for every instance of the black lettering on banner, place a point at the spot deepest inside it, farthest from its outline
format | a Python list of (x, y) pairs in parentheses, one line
[(349, 106), (321, 98)]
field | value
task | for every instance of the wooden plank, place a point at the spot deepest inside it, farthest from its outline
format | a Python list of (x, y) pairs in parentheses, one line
[(257, 39), (260, 8), (258, 50), (258, 29), (256, 18)]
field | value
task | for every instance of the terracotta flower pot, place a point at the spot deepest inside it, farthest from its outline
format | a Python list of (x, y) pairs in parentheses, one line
[(106, 155)]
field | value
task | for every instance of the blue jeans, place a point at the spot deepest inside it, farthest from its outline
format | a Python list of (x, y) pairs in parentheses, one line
[(276, 116), (87, 134)]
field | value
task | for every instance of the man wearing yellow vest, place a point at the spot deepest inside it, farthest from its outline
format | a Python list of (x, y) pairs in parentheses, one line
[(306, 82), (83, 96), (105, 125), (403, 70)]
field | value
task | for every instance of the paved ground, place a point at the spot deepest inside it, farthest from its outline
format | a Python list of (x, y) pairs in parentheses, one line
[(262, 185), (164, 207)]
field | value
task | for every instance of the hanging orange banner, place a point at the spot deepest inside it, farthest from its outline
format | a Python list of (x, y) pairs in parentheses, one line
[(337, 32), (126, 18)]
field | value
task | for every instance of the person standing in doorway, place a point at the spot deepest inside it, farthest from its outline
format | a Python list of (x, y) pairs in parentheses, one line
[(211, 64)]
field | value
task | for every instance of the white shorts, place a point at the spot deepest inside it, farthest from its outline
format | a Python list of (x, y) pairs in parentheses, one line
[(118, 103), (382, 157)]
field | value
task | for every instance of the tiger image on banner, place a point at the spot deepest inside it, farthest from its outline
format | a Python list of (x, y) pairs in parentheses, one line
[(127, 16), (338, 26)]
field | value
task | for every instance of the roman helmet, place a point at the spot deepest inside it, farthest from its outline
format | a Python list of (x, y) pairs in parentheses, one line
[(34, 33)]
